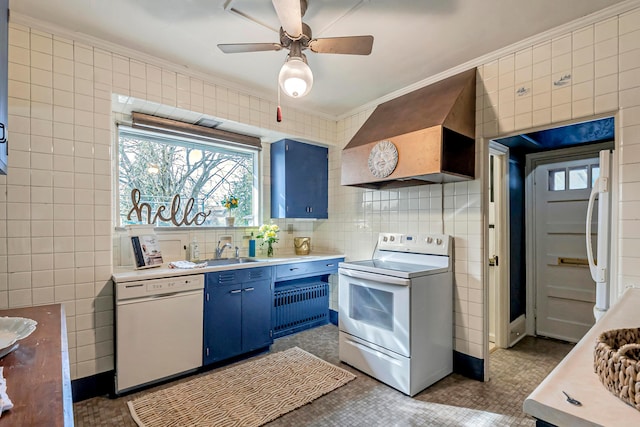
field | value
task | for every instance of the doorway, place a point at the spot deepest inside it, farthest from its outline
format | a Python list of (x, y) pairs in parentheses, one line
[(516, 284)]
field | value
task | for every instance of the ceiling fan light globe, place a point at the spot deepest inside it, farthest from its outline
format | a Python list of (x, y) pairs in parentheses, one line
[(295, 87), (295, 78)]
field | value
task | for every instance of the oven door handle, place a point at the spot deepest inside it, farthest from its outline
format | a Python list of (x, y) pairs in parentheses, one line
[(372, 277)]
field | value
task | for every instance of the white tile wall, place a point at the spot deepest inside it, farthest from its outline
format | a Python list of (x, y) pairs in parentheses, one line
[(603, 61), (58, 192), (56, 239)]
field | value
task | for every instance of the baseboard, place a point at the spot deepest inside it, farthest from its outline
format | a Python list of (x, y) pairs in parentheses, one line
[(96, 385), (517, 330), (333, 317), (469, 366)]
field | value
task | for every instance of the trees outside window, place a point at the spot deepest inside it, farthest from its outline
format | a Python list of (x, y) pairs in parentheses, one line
[(161, 167)]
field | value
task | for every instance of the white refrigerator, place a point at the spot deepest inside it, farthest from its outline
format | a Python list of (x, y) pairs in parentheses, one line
[(599, 263)]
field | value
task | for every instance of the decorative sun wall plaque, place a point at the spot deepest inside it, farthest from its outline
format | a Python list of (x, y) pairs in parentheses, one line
[(383, 159), (173, 215)]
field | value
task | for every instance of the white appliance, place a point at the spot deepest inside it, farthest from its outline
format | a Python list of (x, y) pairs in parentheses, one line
[(159, 326), (396, 311), (600, 271)]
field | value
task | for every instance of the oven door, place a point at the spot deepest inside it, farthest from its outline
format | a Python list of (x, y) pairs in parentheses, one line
[(375, 308)]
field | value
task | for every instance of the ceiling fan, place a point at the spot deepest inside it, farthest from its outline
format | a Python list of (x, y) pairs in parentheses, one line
[(295, 76)]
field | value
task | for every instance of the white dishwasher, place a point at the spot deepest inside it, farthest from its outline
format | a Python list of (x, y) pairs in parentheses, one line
[(158, 329)]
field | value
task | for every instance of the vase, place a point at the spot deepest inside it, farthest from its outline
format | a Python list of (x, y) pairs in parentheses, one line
[(270, 250), (229, 221)]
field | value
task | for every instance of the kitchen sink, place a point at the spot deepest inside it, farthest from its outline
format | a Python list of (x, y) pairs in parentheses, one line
[(229, 261)]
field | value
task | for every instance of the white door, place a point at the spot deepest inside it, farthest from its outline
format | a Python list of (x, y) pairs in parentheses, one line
[(565, 292), (492, 251)]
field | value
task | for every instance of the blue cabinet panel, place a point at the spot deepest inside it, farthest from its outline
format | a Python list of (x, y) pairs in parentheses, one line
[(4, 62), (299, 180), (223, 312), (237, 312), (306, 269), (301, 295), (256, 315)]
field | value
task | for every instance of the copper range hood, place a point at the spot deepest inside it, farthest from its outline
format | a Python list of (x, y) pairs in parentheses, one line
[(424, 137)]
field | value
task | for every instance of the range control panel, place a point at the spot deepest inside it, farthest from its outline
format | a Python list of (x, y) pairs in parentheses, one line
[(435, 244)]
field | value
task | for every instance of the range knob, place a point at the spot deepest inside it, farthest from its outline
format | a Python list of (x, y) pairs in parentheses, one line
[(392, 238), (438, 241), (384, 238), (429, 240)]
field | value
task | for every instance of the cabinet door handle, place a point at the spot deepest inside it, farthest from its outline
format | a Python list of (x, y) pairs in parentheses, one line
[(3, 139), (250, 289), (236, 291), (294, 268), (330, 265)]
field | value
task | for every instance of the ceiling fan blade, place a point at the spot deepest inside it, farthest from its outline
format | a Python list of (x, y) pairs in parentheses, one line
[(353, 45), (290, 16), (248, 47)]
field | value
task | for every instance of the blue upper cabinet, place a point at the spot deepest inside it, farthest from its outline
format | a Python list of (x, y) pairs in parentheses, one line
[(4, 63), (299, 180)]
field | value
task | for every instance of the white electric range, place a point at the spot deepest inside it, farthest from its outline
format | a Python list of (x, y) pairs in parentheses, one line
[(396, 311)]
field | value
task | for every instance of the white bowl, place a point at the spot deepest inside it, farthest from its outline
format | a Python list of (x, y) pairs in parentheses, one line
[(13, 329)]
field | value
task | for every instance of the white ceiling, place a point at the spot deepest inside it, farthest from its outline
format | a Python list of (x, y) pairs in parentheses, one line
[(413, 39)]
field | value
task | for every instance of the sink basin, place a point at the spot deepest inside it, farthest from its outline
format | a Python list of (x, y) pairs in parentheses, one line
[(229, 261)]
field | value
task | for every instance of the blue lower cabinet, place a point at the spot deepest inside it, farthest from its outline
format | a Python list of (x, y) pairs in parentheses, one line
[(237, 313), (256, 315), (223, 323)]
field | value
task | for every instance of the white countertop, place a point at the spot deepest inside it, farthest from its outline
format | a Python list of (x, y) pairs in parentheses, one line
[(128, 274), (576, 376)]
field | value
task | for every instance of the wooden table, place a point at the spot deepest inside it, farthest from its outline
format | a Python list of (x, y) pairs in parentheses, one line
[(37, 372)]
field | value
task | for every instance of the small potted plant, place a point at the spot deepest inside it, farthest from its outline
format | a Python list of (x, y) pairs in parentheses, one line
[(230, 202), (269, 235)]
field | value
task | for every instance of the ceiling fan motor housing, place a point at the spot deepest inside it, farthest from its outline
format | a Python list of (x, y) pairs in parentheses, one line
[(304, 39)]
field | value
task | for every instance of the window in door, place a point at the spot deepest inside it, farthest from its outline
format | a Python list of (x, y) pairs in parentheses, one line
[(573, 178)]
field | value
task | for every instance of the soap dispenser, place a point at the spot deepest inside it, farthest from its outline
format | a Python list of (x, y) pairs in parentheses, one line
[(252, 246), (194, 250)]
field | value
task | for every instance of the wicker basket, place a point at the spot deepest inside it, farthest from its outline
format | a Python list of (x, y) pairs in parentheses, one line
[(617, 363)]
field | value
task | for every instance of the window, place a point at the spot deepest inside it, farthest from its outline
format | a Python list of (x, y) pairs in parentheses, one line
[(556, 180), (578, 178), (162, 166), (573, 178), (595, 174)]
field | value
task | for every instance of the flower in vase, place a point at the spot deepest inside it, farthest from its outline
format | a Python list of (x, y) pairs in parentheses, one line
[(268, 233), (230, 202)]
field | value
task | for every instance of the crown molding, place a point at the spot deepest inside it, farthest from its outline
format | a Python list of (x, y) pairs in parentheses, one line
[(563, 29), (147, 58)]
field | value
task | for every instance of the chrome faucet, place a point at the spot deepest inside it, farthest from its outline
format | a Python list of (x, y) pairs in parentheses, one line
[(219, 249)]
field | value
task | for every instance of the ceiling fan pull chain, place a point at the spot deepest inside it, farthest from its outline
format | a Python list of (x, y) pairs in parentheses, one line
[(278, 110)]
